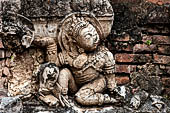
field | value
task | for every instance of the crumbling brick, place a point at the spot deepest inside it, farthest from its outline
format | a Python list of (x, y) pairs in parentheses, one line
[(164, 49), (122, 80), (132, 58), (141, 48), (162, 59), (125, 68), (166, 81), (124, 38), (157, 39)]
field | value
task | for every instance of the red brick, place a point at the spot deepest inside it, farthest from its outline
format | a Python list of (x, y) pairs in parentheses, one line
[(123, 38), (123, 1), (166, 92), (160, 2), (133, 58), (144, 48), (155, 30), (166, 81), (164, 49), (161, 39), (2, 53), (122, 80), (162, 59), (168, 69), (124, 57), (157, 39), (120, 46), (125, 68), (147, 38)]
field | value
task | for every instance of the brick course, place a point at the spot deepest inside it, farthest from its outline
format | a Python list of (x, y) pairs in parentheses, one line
[(157, 39), (141, 48), (132, 58), (161, 59), (164, 49), (125, 68), (122, 80)]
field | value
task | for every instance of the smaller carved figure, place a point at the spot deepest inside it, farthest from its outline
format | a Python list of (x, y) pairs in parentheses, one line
[(49, 90), (48, 75)]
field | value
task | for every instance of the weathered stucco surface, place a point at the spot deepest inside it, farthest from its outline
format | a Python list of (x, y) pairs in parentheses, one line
[(139, 40)]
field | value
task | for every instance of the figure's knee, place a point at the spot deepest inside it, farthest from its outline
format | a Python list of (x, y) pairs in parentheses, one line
[(96, 99), (49, 99), (65, 73), (85, 97), (81, 99), (64, 77)]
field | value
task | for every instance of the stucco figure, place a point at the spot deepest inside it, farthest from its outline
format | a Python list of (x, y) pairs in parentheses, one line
[(91, 64)]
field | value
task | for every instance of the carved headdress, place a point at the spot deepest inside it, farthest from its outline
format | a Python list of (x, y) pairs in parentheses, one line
[(72, 25)]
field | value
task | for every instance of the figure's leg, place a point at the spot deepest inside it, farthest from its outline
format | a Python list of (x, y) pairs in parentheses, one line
[(46, 96), (91, 93), (49, 99), (111, 82), (66, 81)]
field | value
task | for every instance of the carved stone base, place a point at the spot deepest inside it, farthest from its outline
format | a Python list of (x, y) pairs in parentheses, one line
[(36, 107)]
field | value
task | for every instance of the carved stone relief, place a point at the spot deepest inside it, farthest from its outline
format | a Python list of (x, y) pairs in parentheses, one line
[(57, 50)]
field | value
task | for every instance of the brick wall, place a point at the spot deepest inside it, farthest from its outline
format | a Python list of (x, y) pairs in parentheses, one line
[(140, 35)]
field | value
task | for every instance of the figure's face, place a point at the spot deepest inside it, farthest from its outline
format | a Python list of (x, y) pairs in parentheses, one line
[(50, 76), (88, 38)]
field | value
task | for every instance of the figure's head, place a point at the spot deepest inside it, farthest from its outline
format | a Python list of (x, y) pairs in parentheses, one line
[(86, 36), (17, 31), (48, 74), (80, 32)]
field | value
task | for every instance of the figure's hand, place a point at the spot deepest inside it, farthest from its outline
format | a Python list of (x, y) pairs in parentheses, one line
[(64, 101), (50, 100), (111, 82), (67, 59)]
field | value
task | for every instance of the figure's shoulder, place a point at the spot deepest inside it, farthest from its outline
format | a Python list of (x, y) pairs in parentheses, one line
[(109, 64), (106, 53)]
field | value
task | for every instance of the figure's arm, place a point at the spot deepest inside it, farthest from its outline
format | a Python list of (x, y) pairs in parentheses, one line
[(51, 48), (109, 69)]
